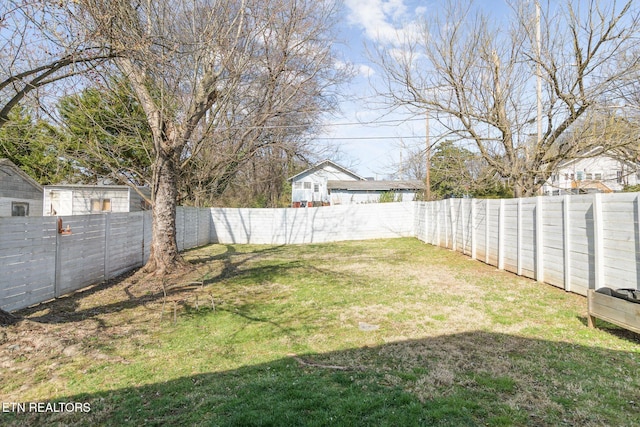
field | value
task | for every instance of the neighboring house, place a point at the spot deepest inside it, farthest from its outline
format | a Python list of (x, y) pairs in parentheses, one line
[(354, 192), (601, 173), (91, 199), (20, 195), (328, 183)]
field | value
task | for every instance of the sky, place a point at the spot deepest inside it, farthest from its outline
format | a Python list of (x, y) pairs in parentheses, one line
[(370, 138)]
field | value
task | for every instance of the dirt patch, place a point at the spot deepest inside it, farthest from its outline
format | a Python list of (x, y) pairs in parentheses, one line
[(82, 325)]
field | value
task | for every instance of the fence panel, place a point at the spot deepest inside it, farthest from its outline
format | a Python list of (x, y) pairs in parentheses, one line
[(493, 231), (553, 242), (27, 261), (125, 234), (510, 239), (204, 225), (81, 254), (481, 230), (147, 234), (528, 237), (620, 239), (581, 244)]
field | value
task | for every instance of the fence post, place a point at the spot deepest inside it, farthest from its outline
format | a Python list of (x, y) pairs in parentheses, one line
[(501, 235), (539, 241), (107, 238), (598, 242), (58, 267), (473, 228), (486, 231), (464, 227), (453, 225), (438, 241), (519, 238), (566, 228), (446, 212)]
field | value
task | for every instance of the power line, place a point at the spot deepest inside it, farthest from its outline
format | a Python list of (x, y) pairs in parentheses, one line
[(370, 137), (304, 125)]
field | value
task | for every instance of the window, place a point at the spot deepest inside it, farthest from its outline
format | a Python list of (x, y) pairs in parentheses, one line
[(598, 176), (19, 209), (297, 185), (100, 205), (619, 177), (316, 188), (589, 176), (307, 186), (579, 175)]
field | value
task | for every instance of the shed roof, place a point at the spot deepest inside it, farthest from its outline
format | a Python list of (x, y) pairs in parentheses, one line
[(8, 164), (410, 184), (120, 188)]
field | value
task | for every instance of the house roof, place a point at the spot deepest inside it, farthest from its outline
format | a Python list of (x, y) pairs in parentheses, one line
[(323, 163), (410, 184), (590, 154), (9, 164)]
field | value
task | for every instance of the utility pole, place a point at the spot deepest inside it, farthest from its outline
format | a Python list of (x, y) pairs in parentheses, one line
[(538, 78), (427, 180), (538, 73)]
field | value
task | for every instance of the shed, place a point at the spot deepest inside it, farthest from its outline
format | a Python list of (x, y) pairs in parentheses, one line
[(91, 199), (20, 195)]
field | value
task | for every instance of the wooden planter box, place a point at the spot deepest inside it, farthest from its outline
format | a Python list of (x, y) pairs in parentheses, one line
[(614, 310)]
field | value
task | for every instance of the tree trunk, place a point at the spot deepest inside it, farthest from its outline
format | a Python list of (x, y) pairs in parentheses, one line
[(164, 256)]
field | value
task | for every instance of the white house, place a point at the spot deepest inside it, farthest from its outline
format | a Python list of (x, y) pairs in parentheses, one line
[(20, 195), (603, 173), (89, 199), (354, 192), (328, 183)]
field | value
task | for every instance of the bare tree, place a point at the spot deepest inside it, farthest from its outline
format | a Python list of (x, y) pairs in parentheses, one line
[(41, 42), (479, 79), (187, 61)]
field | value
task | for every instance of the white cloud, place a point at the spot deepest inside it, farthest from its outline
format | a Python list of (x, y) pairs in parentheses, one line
[(388, 22), (376, 17), (365, 71)]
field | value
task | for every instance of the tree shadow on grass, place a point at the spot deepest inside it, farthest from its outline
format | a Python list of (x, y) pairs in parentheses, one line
[(466, 379), (66, 309)]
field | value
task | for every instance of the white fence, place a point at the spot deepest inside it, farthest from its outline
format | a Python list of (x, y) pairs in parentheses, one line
[(313, 225), (37, 263), (573, 242)]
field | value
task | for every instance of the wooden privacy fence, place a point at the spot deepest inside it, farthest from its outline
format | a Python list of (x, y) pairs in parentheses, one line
[(37, 263), (572, 242)]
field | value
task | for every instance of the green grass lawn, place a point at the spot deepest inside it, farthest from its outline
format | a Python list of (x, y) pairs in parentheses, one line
[(383, 332)]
